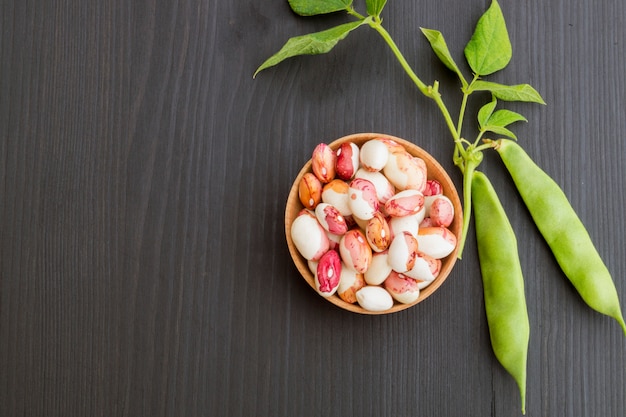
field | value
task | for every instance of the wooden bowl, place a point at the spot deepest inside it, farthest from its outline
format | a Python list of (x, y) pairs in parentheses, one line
[(435, 172)]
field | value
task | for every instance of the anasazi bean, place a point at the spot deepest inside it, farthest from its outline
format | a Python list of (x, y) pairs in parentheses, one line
[(563, 231), (503, 282)]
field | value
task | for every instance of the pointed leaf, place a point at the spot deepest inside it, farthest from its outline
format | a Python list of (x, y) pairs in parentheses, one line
[(500, 131), (375, 7), (311, 44), (439, 46), (519, 92), (315, 7), (485, 113), (490, 49), (505, 117)]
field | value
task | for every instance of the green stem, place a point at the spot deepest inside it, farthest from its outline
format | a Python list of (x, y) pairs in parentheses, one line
[(466, 93), (459, 125), (460, 152), (351, 11), (429, 91), (468, 171), (479, 137), (489, 144), (446, 115), (405, 65)]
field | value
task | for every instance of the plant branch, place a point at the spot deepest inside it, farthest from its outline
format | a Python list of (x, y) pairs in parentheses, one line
[(466, 93), (429, 91), (468, 171)]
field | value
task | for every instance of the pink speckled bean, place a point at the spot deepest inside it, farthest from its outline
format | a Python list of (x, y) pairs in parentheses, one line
[(363, 200), (309, 236), (405, 203), (355, 251), (405, 171), (402, 252), (331, 219), (437, 242), (347, 160), (328, 273), (402, 288), (378, 233), (441, 211), (323, 163), (433, 187)]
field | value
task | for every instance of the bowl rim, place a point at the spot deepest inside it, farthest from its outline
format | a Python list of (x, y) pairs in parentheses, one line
[(434, 170)]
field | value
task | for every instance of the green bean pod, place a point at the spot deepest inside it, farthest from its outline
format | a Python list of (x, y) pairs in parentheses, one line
[(563, 231), (503, 282)]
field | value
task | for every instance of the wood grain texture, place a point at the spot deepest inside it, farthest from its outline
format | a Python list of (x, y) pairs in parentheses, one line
[(143, 179)]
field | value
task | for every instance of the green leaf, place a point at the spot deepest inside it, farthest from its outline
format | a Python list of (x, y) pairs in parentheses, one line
[(311, 44), (505, 117), (519, 92), (315, 7), (500, 130), (375, 7), (439, 46), (490, 49), (485, 113)]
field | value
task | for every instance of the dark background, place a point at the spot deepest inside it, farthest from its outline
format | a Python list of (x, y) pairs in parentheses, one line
[(143, 179)]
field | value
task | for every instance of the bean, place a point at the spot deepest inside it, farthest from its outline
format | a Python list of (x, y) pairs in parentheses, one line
[(503, 282), (563, 231)]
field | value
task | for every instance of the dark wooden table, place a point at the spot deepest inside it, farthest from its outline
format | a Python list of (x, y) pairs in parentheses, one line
[(143, 178)]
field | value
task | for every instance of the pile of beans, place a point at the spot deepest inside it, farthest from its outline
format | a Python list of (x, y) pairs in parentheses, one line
[(373, 227)]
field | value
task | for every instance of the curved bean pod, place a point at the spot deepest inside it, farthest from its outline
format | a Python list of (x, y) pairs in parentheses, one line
[(563, 231), (503, 282)]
